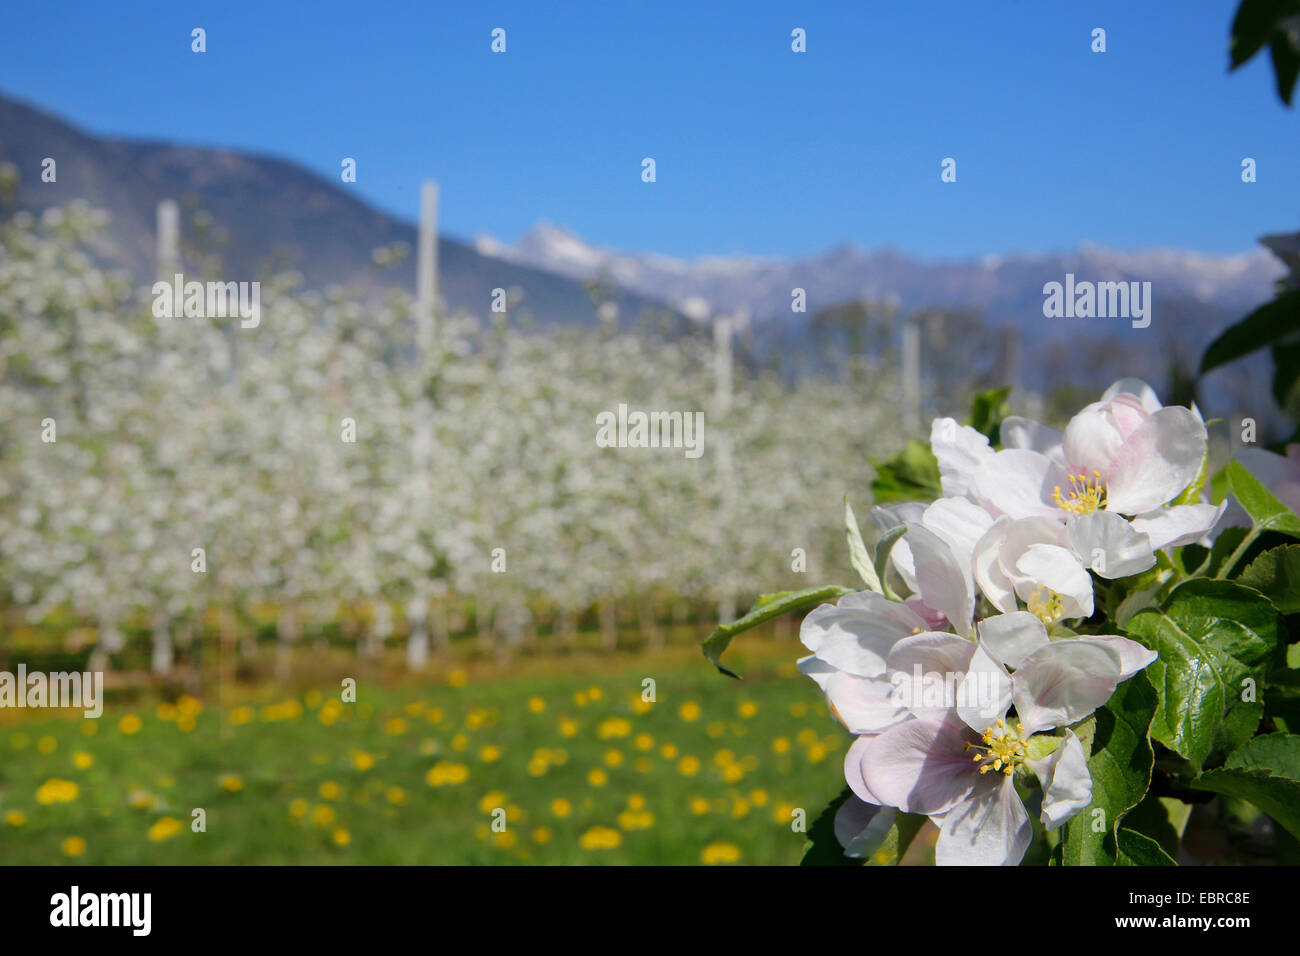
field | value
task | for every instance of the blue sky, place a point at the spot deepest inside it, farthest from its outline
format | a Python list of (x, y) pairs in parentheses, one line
[(758, 150)]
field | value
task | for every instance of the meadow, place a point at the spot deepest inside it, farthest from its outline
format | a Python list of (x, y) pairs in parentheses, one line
[(566, 750)]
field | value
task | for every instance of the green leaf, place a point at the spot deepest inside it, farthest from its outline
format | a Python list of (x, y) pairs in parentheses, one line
[(767, 607), (1267, 324), (1119, 762), (1286, 378), (910, 475), (884, 545), (898, 839), (987, 411), (1286, 66), (858, 555), (1276, 575), (1252, 27), (1262, 505), (1136, 849), (1192, 493), (1265, 772), (1211, 636)]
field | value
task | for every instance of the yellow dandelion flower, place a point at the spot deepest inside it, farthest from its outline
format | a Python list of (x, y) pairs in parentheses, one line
[(341, 836), (242, 715), (298, 808), (15, 818), (82, 760), (568, 727), (668, 751), (781, 745), (561, 807), (541, 835), (460, 742), (129, 724), (446, 773), (689, 711), (489, 753), (47, 745), (716, 853), (232, 782), (699, 806), (73, 846), (600, 838), (163, 829), (536, 705), (613, 758), (688, 766), (329, 790), (363, 761), (613, 727), (323, 815), (758, 797), (395, 727), (55, 790), (597, 777), (716, 729), (747, 709), (458, 678)]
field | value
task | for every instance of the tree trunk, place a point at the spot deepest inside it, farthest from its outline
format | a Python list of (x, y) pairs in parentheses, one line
[(608, 625), (163, 655)]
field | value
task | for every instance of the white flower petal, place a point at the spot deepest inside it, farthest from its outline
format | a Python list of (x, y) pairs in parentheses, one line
[(853, 770), (1018, 483), (984, 695), (991, 828), (960, 450), (1130, 656), (864, 705), (986, 567), (1178, 524), (1058, 570), (942, 582), (960, 523), (1063, 682), (1107, 543), (919, 766), (1067, 785), (926, 669), (857, 635), (1011, 638)]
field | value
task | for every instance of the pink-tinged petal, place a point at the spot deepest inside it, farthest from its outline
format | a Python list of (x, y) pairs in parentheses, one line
[(919, 766), (853, 817), (926, 669), (991, 828), (853, 770), (1063, 682), (1010, 638), (986, 567), (932, 620), (864, 705), (1067, 784), (1144, 393), (959, 449), (1130, 656), (1058, 570), (1093, 437), (1157, 461), (984, 695), (1178, 524), (942, 582), (1018, 483), (1107, 543)]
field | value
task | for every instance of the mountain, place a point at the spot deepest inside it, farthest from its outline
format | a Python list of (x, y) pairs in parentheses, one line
[(268, 210), (1004, 288)]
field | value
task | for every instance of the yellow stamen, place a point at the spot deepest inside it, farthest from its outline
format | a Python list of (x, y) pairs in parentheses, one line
[(1086, 494)]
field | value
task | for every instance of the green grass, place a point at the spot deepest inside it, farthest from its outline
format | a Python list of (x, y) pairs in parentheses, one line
[(281, 782)]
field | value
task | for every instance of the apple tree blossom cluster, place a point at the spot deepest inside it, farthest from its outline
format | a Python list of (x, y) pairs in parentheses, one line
[(1074, 603)]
